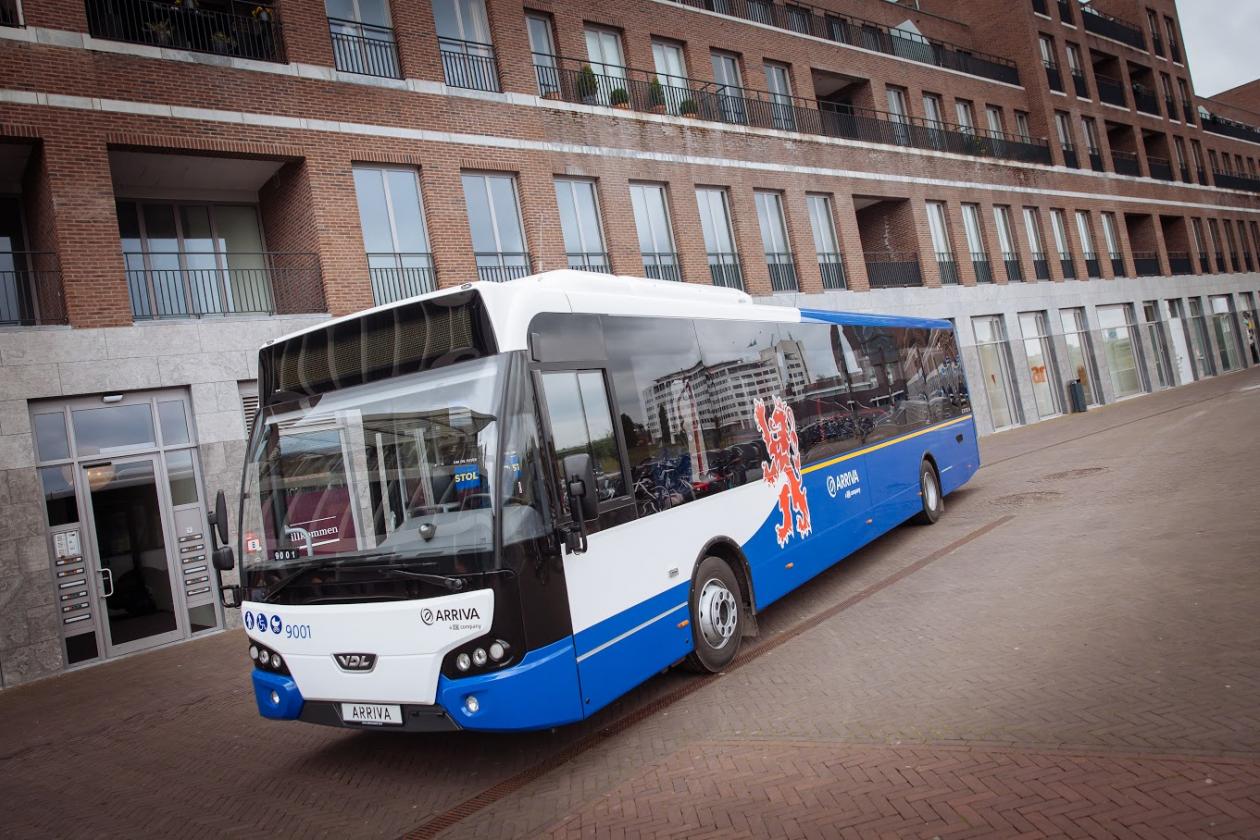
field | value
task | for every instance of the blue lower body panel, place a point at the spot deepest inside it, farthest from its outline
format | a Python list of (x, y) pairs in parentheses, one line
[(541, 692), (277, 696)]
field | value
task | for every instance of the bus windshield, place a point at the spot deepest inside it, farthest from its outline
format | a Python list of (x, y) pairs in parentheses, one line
[(399, 471)]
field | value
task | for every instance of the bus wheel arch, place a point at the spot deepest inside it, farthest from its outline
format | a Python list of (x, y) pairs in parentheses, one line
[(716, 616), (726, 549), (933, 497)]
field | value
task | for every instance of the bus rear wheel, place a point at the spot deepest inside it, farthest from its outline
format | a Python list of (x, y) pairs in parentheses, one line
[(930, 493), (717, 625)]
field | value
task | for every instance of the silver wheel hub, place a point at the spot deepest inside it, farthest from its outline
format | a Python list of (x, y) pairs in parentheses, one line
[(717, 613), (931, 494)]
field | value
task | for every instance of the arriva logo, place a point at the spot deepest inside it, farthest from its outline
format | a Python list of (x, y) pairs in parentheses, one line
[(429, 616)]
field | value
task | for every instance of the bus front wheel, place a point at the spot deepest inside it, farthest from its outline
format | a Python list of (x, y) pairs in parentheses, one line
[(716, 617), (930, 494)]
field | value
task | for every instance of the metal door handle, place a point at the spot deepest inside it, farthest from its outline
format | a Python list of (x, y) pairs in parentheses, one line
[(111, 581)]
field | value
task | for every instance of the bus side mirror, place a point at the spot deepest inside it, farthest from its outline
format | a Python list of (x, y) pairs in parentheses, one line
[(579, 474), (224, 559), (219, 519)]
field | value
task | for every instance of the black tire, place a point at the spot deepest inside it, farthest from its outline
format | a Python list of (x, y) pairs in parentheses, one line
[(930, 495), (717, 617)]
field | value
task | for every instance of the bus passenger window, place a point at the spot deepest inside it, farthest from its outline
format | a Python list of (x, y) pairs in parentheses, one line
[(577, 405)]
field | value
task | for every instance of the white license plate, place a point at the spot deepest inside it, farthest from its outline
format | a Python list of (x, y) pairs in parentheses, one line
[(373, 714)]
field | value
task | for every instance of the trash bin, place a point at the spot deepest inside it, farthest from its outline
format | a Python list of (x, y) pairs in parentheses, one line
[(1076, 396)]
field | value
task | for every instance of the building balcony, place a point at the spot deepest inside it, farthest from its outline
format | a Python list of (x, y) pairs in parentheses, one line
[(1080, 85), (1145, 100), (865, 34), (1113, 28), (831, 266), (1125, 163), (1096, 160), (1053, 77), (596, 261), (1187, 113), (364, 49), (1236, 182), (662, 265), (9, 13), (1014, 271), (469, 64), (724, 269), (30, 289), (1065, 12), (189, 284), (501, 266), (1070, 159), (1179, 262), (631, 89), (782, 272), (1185, 174), (1146, 263), (1117, 264), (982, 267), (1069, 267), (947, 266), (1111, 91), (231, 28), (1230, 128), (1041, 265), (400, 276), (1160, 168), (893, 269)]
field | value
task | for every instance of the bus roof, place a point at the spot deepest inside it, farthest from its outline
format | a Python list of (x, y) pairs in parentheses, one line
[(512, 305)]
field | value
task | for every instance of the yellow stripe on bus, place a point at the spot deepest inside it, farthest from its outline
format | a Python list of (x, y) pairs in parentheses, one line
[(832, 462)]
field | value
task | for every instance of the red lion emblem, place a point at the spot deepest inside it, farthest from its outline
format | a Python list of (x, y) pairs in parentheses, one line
[(778, 432)]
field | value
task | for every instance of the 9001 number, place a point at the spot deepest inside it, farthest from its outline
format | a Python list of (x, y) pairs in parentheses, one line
[(297, 631)]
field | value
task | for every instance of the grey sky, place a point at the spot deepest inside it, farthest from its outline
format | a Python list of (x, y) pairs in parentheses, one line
[(1221, 42)]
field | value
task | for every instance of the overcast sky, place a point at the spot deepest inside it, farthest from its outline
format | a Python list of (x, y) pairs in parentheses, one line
[(1221, 42)]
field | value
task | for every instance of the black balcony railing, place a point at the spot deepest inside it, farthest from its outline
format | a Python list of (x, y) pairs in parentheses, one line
[(1221, 266), (30, 289), (1126, 163), (400, 276), (364, 49), (1117, 264), (1093, 269), (1065, 12), (1203, 178), (1039, 6), (1146, 263), (1205, 264), (1096, 160), (893, 269), (1170, 107), (1070, 159), (501, 266), (782, 272), (831, 266), (724, 269), (193, 284), (982, 267), (1179, 262), (469, 64), (629, 88), (1187, 112), (588, 261), (1111, 90), (1234, 261), (1053, 77), (1185, 174), (661, 265), (1078, 81), (1068, 266), (948, 268), (1014, 271), (1159, 167), (1236, 182), (1041, 265), (239, 29), (1145, 100), (1230, 128), (1113, 28), (1157, 44), (9, 13), (1247, 261), (807, 20)]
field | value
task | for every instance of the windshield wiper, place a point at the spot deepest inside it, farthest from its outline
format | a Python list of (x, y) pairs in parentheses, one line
[(453, 584), (292, 576)]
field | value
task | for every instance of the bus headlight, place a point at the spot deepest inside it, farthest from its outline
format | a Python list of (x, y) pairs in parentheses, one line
[(276, 661), (462, 662), (479, 657), (471, 705), (264, 656), (253, 652), (498, 650)]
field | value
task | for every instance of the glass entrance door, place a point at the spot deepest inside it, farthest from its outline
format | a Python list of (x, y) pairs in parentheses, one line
[(128, 537)]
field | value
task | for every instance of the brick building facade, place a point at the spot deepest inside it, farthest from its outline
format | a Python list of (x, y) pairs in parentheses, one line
[(181, 181)]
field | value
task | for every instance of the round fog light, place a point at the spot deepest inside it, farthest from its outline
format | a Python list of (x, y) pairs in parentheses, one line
[(462, 662), (471, 704), (253, 652), (275, 698), (498, 651), (479, 657), (276, 661), (264, 657)]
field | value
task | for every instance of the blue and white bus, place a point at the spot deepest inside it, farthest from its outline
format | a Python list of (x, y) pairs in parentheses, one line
[(502, 506)]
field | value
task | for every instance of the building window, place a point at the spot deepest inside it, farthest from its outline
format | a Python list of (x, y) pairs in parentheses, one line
[(1022, 126), (932, 109), (995, 367), (494, 218), (938, 225), (1006, 241), (1042, 370), (603, 48), (363, 37), (779, 84), (391, 216), (1080, 353), (671, 72), (1032, 225), (1058, 223), (719, 239), (185, 260), (774, 239), (973, 228), (823, 226), (463, 32), (1112, 237), (993, 118), (1120, 349), (1063, 125), (1086, 233), (730, 87), (542, 43), (579, 222), (656, 238), (966, 115)]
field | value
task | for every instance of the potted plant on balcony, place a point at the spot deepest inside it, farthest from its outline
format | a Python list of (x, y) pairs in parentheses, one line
[(688, 108), (587, 85), (223, 43), (261, 14), (161, 31), (620, 99), (656, 96)]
